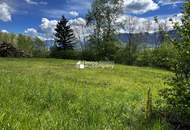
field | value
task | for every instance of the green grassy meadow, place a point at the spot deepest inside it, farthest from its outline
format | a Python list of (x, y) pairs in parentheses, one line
[(49, 94)]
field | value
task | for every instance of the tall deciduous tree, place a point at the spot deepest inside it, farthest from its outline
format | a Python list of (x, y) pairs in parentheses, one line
[(64, 36), (131, 48), (161, 36), (102, 17)]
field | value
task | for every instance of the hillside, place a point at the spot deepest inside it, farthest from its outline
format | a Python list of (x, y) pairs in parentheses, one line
[(53, 94)]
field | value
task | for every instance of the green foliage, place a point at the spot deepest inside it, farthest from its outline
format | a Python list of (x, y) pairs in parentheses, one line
[(131, 51), (39, 49), (64, 54), (177, 96), (164, 56), (64, 36), (64, 42), (25, 43), (104, 51), (32, 46), (128, 54), (53, 94), (144, 57), (8, 37), (102, 16)]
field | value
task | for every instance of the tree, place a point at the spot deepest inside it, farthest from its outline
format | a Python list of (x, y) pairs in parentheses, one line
[(39, 49), (177, 96), (102, 17), (8, 37), (131, 49), (64, 36), (156, 30), (81, 31), (25, 43), (161, 36)]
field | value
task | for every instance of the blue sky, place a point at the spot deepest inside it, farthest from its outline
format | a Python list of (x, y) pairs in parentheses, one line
[(19, 15)]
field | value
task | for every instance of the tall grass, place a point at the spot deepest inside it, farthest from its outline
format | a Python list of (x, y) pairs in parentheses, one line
[(52, 94)]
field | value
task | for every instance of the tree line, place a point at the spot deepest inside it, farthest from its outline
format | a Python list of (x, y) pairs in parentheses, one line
[(34, 47), (103, 43)]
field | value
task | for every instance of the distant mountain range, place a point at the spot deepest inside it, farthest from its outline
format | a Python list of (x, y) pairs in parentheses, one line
[(146, 38), (150, 39)]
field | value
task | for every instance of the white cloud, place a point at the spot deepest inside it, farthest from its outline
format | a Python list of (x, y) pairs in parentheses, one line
[(31, 2), (79, 28), (31, 31), (134, 24), (130, 24), (74, 13), (166, 2), (35, 3), (4, 31), (5, 13), (78, 25), (139, 6), (77, 22), (48, 26)]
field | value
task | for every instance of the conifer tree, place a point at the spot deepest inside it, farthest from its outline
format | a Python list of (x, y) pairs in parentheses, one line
[(64, 36)]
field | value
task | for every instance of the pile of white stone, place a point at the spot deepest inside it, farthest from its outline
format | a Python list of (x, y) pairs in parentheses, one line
[(88, 64)]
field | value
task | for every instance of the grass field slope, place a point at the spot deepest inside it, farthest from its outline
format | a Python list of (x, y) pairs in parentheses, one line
[(49, 94)]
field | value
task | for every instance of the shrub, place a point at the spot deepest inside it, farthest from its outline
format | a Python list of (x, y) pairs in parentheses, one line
[(105, 50), (177, 95), (128, 54), (90, 55), (164, 56), (144, 58), (64, 54)]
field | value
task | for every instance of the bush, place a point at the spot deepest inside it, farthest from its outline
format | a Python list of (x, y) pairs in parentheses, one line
[(177, 96), (144, 58), (128, 54), (164, 56), (64, 54), (40, 53), (120, 56), (102, 51), (39, 49), (177, 99), (90, 55)]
